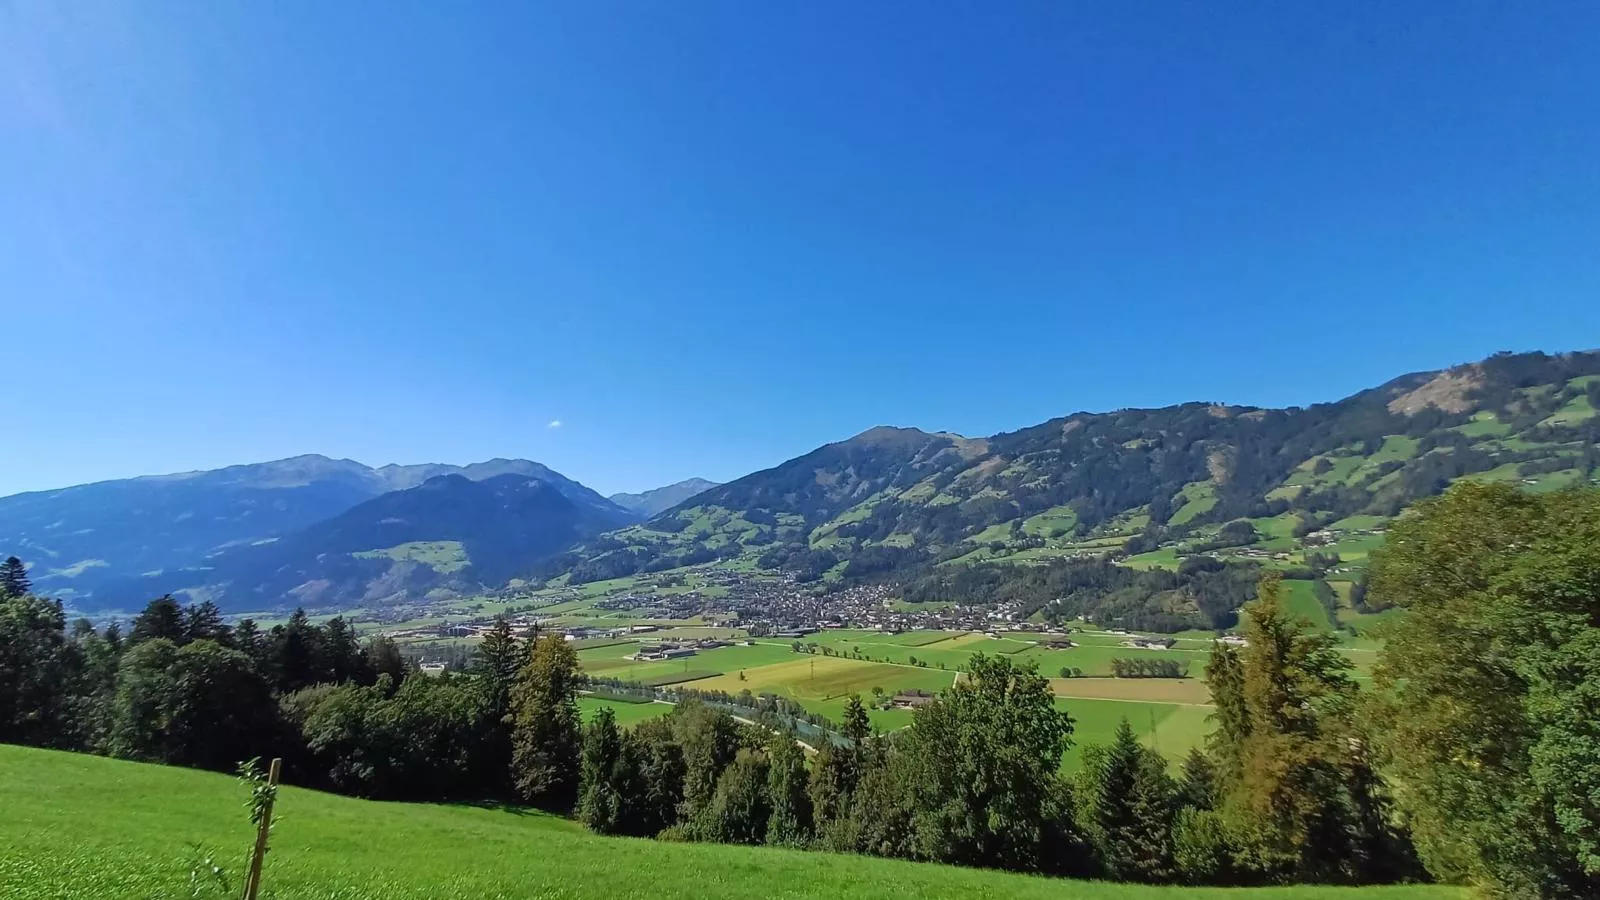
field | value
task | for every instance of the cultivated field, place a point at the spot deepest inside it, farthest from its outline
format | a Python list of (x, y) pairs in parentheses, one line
[(80, 827)]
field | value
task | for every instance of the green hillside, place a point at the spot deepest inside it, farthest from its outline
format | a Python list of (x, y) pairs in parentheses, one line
[(81, 826), (1156, 484)]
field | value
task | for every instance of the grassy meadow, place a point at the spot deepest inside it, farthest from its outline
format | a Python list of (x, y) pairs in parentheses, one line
[(79, 826)]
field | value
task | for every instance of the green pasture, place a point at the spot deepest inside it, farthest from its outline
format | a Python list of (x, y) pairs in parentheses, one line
[(81, 826), (626, 713)]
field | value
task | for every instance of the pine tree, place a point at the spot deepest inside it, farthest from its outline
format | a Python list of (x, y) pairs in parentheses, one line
[(833, 779), (297, 652), (14, 579), (856, 727), (162, 618), (1284, 743), (1225, 676), (709, 739), (383, 658), (1132, 811), (343, 658), (545, 738), (203, 622), (247, 637), (790, 823), (659, 763), (600, 804), (740, 807), (496, 662), (1197, 787)]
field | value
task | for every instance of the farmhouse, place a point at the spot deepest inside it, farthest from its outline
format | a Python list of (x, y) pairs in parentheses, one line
[(1233, 640), (915, 698), (1143, 643), (663, 650)]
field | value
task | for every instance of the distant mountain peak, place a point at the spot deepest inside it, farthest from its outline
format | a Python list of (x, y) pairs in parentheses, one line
[(655, 500), (888, 434), (93, 545)]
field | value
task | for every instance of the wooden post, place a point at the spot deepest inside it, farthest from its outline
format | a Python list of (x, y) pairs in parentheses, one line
[(252, 883)]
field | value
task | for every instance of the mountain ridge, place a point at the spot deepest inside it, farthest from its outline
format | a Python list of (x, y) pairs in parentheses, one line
[(83, 539), (1129, 480), (451, 532), (656, 500)]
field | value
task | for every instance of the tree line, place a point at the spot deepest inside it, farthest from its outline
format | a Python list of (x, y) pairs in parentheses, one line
[(1470, 758), (1146, 667)]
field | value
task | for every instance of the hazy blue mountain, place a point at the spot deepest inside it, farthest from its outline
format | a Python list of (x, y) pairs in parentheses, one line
[(162, 529), (450, 533), (660, 499)]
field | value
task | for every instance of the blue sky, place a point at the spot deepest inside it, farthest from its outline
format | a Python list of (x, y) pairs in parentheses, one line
[(709, 236)]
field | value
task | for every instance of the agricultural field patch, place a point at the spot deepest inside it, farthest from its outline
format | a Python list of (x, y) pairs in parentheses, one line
[(1055, 522), (815, 677), (443, 557), (626, 713), (1190, 690), (1300, 599), (1196, 499)]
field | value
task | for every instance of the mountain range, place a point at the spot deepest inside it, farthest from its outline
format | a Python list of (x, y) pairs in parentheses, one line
[(108, 544), (1132, 481), (1142, 484)]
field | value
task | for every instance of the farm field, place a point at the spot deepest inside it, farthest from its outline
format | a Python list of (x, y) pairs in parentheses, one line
[(1169, 728), (823, 684), (1300, 599), (1147, 690), (613, 661), (626, 713), (1169, 714), (82, 826)]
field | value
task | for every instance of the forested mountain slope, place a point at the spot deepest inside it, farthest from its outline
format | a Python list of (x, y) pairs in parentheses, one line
[(1132, 480), (449, 532), (94, 543)]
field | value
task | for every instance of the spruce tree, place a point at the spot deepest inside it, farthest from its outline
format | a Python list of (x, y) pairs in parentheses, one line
[(856, 727), (600, 804), (545, 738), (833, 778), (14, 579), (162, 618), (203, 622), (496, 662), (1132, 811), (298, 658), (659, 765), (1197, 786), (343, 657), (790, 823), (740, 807)]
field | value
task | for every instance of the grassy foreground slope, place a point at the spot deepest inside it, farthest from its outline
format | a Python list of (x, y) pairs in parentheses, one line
[(77, 826)]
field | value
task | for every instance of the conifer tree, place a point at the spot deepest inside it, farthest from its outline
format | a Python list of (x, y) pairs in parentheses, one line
[(600, 804), (14, 580), (790, 823), (545, 738), (161, 618), (496, 662), (1132, 811)]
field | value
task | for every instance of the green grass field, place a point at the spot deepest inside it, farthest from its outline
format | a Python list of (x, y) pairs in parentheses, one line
[(83, 827), (1300, 599), (626, 713), (443, 557)]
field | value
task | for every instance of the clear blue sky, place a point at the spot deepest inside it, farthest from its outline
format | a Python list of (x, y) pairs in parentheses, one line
[(708, 236)]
